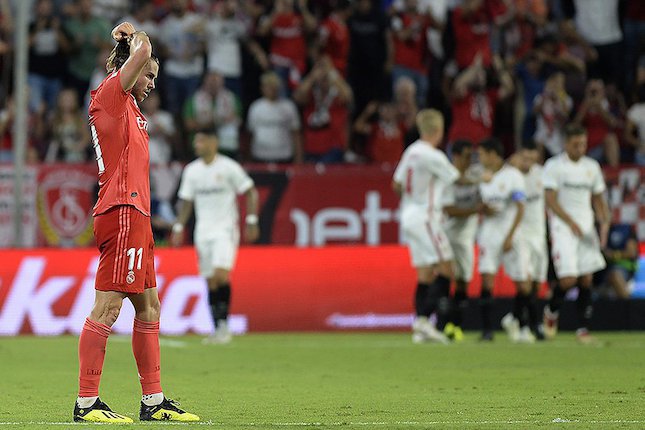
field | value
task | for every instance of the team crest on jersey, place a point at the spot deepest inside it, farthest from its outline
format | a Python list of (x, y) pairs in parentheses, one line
[(130, 277), (142, 123)]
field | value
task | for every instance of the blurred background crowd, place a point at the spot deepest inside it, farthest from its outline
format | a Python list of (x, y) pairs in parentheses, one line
[(340, 81)]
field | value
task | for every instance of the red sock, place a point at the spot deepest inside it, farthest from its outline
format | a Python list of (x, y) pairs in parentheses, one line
[(145, 345), (91, 353)]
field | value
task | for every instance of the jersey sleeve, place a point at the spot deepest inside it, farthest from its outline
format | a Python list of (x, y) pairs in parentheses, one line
[(294, 119), (399, 172), (549, 176), (442, 168), (111, 95), (186, 188), (599, 181), (518, 189), (241, 181), (448, 196), (251, 121)]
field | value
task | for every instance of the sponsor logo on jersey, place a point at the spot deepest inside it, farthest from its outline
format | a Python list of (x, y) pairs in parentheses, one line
[(142, 123)]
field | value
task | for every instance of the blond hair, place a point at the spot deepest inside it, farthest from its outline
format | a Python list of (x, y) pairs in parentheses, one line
[(429, 121)]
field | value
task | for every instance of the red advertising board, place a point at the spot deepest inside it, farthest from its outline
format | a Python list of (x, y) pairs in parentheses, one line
[(337, 204), (300, 205), (50, 292)]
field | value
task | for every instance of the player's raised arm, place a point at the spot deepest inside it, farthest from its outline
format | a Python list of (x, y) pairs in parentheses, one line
[(140, 49)]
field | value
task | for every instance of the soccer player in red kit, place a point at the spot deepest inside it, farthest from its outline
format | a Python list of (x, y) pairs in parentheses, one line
[(123, 233)]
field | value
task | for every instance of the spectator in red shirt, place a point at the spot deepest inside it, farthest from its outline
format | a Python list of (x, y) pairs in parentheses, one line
[(411, 55), (474, 97), (594, 114), (288, 25), (384, 136), (333, 36), (35, 137), (471, 24), (520, 35), (325, 98)]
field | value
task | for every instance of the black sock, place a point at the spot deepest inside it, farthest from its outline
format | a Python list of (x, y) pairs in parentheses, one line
[(461, 301), (585, 310), (557, 297), (442, 290), (212, 300), (534, 315), (520, 310), (486, 302), (421, 300), (221, 302), (519, 305)]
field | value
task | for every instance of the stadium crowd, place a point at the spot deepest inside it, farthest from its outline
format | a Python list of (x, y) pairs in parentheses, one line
[(338, 81)]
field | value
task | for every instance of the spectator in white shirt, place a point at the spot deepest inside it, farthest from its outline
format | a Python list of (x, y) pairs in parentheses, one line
[(635, 127), (274, 123)]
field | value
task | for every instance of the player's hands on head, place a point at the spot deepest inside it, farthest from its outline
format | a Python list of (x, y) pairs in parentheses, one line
[(125, 30)]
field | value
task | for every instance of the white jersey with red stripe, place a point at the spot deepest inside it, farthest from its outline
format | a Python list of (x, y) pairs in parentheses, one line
[(501, 193), (423, 173)]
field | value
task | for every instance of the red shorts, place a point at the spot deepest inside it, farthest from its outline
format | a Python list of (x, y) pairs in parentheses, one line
[(124, 238)]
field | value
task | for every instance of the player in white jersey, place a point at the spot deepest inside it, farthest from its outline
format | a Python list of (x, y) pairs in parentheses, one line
[(533, 226), (211, 185), (500, 239), (574, 192), (419, 179), (461, 206)]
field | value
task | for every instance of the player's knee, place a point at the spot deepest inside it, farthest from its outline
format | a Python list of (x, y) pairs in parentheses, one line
[(154, 309), (221, 277), (111, 312)]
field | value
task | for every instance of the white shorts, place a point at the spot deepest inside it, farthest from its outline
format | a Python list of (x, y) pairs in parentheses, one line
[(515, 262), (464, 256), (216, 253), (575, 256), (538, 258), (426, 240)]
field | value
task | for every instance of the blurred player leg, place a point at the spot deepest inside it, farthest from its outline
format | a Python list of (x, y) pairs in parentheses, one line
[(145, 346), (217, 269), (91, 354)]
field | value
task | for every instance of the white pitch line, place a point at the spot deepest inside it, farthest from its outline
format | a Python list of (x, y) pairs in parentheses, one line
[(171, 343), (345, 423)]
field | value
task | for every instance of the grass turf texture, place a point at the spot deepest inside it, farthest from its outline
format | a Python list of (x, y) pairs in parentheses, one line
[(363, 381)]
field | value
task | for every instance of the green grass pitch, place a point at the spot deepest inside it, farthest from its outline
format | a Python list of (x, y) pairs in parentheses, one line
[(349, 380)]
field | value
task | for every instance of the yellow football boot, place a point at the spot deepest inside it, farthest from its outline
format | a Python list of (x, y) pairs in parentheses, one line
[(99, 412), (165, 411)]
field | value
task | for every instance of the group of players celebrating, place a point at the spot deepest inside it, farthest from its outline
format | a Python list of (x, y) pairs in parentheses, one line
[(501, 205)]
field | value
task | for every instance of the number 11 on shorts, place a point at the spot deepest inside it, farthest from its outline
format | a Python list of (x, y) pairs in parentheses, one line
[(132, 252)]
